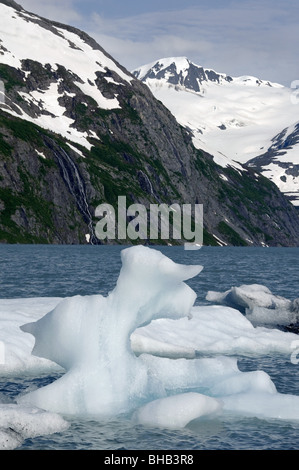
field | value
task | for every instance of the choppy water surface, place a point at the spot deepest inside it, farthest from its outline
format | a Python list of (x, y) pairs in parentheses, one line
[(59, 271)]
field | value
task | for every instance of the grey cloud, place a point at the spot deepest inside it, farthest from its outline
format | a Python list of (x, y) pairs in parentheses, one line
[(56, 10), (241, 38), (245, 38)]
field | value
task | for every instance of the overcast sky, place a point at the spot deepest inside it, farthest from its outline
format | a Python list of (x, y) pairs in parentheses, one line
[(251, 37)]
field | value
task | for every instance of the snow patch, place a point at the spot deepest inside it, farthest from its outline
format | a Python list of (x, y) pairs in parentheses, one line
[(75, 149), (40, 154)]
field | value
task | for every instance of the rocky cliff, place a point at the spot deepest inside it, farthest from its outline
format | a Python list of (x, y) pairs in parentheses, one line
[(74, 136)]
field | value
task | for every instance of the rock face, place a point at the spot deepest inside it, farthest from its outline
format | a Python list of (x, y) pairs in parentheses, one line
[(77, 130)]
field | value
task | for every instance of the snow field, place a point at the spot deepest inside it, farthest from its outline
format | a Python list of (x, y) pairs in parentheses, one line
[(22, 39)]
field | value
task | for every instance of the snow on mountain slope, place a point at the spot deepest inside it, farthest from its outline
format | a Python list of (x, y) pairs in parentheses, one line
[(234, 119), (281, 162), (26, 36), (57, 77)]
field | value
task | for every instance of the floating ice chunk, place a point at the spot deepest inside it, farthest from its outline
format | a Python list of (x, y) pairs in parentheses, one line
[(263, 405), (16, 346), (218, 377), (151, 310), (248, 296), (269, 317), (140, 344), (90, 336), (242, 393), (210, 330), (259, 304), (18, 423), (295, 306), (177, 411)]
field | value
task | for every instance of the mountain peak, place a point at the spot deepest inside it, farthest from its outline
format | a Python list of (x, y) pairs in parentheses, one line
[(76, 129), (236, 119), (179, 71)]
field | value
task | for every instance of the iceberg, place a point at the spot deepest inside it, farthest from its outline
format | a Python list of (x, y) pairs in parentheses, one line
[(249, 296), (259, 304), (177, 411), (90, 336), (146, 351), (15, 353), (210, 330)]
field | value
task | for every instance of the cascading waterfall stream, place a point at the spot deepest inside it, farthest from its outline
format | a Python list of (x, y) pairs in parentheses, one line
[(75, 184)]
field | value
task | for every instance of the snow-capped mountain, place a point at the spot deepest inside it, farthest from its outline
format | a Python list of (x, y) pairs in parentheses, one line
[(236, 119), (78, 130), (280, 162), (82, 69)]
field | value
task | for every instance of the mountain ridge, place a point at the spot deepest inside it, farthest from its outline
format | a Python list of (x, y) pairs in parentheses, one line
[(74, 136), (184, 72), (236, 119)]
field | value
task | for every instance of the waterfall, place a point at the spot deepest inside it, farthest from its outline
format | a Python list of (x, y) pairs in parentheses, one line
[(146, 184), (75, 183)]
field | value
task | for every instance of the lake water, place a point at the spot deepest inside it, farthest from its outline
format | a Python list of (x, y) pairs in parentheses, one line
[(60, 271)]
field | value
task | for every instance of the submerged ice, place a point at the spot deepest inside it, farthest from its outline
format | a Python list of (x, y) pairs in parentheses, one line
[(140, 351)]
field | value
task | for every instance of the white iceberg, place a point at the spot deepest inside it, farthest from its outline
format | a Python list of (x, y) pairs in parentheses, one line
[(249, 296), (90, 336), (144, 343), (210, 330), (177, 411), (16, 357), (240, 393), (259, 304)]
